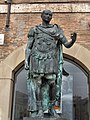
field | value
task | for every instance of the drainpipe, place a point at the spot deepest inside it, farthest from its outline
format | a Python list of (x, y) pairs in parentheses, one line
[(8, 13)]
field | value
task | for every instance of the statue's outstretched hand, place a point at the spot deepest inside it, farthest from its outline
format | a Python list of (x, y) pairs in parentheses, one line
[(26, 66), (73, 36)]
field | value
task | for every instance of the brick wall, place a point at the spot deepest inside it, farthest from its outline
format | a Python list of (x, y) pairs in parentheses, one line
[(32, 1), (20, 24)]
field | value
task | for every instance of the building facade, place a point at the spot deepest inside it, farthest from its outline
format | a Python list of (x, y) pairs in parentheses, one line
[(16, 18)]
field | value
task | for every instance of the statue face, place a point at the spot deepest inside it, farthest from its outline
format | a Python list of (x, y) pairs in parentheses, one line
[(46, 15)]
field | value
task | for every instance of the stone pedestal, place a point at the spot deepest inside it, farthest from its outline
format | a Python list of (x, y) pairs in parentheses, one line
[(28, 118)]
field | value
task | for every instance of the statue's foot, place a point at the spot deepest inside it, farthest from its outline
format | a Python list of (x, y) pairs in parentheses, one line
[(53, 113), (33, 114), (40, 114)]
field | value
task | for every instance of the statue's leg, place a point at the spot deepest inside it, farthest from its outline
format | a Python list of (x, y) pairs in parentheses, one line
[(31, 88), (52, 93), (45, 95), (58, 91), (39, 96)]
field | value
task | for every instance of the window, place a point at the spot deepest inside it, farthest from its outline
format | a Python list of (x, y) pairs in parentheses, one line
[(74, 88)]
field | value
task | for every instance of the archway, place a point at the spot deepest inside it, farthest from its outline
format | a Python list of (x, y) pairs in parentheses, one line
[(15, 60)]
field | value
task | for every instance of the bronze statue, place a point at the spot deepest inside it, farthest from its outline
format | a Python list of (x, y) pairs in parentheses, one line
[(44, 61)]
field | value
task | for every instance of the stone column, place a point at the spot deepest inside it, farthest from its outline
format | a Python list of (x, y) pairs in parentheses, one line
[(6, 84), (5, 98), (89, 96)]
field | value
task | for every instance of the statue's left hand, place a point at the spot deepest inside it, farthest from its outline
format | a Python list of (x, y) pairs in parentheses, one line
[(73, 36)]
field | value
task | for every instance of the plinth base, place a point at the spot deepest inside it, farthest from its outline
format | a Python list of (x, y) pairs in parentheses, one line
[(29, 118)]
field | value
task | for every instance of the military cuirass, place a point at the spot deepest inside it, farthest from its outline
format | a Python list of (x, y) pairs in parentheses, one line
[(44, 54), (44, 46)]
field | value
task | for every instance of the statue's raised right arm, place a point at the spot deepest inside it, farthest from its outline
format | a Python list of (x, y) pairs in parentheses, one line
[(73, 39), (67, 43)]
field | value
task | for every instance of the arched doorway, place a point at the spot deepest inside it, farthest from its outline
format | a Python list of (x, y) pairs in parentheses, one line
[(15, 61)]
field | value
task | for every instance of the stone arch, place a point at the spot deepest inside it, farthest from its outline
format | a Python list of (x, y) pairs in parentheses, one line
[(15, 60)]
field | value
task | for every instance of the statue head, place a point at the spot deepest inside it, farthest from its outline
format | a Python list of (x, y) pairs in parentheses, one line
[(46, 15)]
